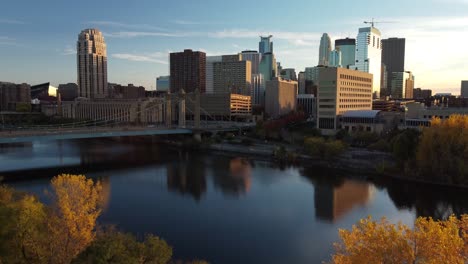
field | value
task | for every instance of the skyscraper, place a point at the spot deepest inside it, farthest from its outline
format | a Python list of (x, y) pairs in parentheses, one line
[(464, 89), (252, 56), (188, 71), (232, 75), (369, 55), (335, 59), (324, 50), (347, 47), (265, 45), (92, 64), (210, 61), (402, 85), (393, 56)]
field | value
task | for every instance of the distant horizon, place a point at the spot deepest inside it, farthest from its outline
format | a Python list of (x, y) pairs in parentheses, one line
[(140, 36)]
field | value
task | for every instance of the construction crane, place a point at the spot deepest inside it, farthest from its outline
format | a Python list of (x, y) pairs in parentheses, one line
[(372, 22)]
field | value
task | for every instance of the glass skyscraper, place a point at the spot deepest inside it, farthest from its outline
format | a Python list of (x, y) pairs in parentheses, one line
[(324, 50)]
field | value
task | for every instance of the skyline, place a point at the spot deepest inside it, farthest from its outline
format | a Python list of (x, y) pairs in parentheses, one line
[(140, 37)]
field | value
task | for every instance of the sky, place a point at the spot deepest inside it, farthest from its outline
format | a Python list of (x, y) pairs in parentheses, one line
[(38, 38)]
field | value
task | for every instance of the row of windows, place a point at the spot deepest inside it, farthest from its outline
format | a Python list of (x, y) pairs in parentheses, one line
[(354, 101), (356, 95), (355, 90), (441, 117), (357, 84), (353, 106), (355, 78)]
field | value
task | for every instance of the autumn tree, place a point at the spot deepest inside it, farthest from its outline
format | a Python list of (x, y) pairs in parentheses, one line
[(442, 154), (72, 218), (383, 242)]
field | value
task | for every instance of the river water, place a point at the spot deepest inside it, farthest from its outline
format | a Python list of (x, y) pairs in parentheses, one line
[(224, 209)]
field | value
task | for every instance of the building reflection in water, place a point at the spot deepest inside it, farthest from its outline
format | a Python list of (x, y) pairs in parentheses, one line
[(232, 176), (334, 202), (106, 192)]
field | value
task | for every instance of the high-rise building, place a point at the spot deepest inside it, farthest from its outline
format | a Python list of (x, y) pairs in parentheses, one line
[(347, 47), (464, 89), (12, 95), (324, 50), (265, 45), (341, 90), (163, 83), (268, 66), (419, 93), (188, 71), (301, 80), (402, 85), (258, 90), (335, 58), (384, 88), (232, 75), (280, 97), (210, 60), (289, 74), (369, 55), (68, 92), (92, 64), (393, 57), (128, 91), (254, 58)]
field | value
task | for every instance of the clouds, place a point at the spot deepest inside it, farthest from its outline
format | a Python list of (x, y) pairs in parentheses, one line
[(11, 22), (115, 24), (157, 57), (4, 40)]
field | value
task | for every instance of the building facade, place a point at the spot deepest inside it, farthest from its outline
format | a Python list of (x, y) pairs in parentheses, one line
[(254, 58), (258, 90), (188, 71), (163, 83), (308, 103), (232, 75), (402, 85), (464, 89), (335, 58), (265, 45), (91, 52), (419, 93), (289, 74), (347, 47), (280, 97), (129, 91), (324, 50), (393, 57), (221, 106), (68, 92), (12, 95), (341, 90), (369, 55)]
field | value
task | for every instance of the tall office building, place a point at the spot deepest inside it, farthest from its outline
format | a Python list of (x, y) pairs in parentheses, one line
[(232, 75), (188, 71), (341, 90), (163, 83), (280, 97), (254, 58), (347, 47), (464, 89), (210, 61), (289, 74), (92, 64), (13, 95), (402, 85), (265, 45), (369, 55), (268, 66), (301, 82), (258, 90), (324, 50), (393, 57), (335, 59)]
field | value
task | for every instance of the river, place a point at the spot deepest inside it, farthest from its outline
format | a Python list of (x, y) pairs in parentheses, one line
[(224, 209)]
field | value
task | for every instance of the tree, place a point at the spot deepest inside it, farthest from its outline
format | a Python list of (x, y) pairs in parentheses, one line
[(443, 150), (404, 146), (72, 219), (382, 242)]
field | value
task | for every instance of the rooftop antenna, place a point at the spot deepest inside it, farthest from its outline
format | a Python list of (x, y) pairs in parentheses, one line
[(373, 22)]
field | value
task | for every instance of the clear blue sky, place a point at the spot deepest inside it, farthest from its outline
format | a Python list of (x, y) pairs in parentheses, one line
[(38, 38)]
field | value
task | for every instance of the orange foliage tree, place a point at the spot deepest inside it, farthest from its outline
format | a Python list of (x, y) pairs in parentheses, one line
[(383, 242)]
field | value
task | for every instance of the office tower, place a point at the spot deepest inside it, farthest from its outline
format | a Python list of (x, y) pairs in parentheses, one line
[(210, 60), (384, 88), (335, 58), (289, 74), (464, 89), (268, 66), (68, 92), (308, 104), (188, 71), (92, 64), (258, 90), (280, 97), (419, 93), (163, 83), (254, 58), (265, 45), (347, 47), (393, 57), (232, 75), (13, 95), (301, 82), (324, 50), (402, 85), (369, 55), (341, 90), (312, 73)]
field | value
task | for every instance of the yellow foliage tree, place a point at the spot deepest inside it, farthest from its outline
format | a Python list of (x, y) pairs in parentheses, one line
[(443, 150), (429, 242), (72, 220)]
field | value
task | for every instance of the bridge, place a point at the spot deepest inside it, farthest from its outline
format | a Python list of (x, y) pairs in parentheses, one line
[(160, 116)]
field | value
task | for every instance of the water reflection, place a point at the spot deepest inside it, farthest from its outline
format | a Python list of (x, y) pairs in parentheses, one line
[(232, 176), (187, 176), (333, 203)]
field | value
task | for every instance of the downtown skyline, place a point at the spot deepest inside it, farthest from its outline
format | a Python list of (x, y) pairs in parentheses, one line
[(139, 38)]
